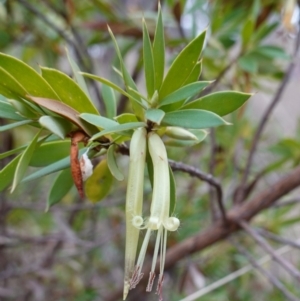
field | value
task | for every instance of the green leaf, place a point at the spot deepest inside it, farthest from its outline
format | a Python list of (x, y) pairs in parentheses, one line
[(78, 76), (247, 31), (155, 115), (97, 186), (248, 63), (24, 161), (60, 187), (65, 111), (68, 91), (159, 50), (148, 62), (193, 119), (50, 152), (109, 99), (56, 125), (182, 66), (272, 52), (195, 74), (126, 118), (172, 192), (33, 82), (7, 173), (8, 111), (184, 92), (129, 83), (221, 103), (263, 31), (10, 87), (24, 109), (14, 125), (98, 121), (131, 96), (112, 164), (119, 128), (54, 167)]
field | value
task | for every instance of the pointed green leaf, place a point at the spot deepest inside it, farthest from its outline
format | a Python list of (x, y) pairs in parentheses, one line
[(98, 121), (60, 187), (68, 91), (272, 52), (78, 76), (159, 51), (110, 101), (29, 79), (7, 173), (119, 128), (24, 109), (65, 111), (248, 63), (24, 161), (193, 119), (148, 61), (182, 66), (195, 74), (184, 92), (247, 31), (138, 110), (97, 186), (131, 96), (14, 125), (126, 118), (10, 87), (155, 115), (172, 192), (8, 111), (50, 152), (112, 164), (49, 169), (221, 103), (56, 125)]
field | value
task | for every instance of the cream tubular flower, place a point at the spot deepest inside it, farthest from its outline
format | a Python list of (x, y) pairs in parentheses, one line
[(159, 216), (134, 202)]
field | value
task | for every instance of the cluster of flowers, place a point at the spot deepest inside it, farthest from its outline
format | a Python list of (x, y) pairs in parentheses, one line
[(159, 219)]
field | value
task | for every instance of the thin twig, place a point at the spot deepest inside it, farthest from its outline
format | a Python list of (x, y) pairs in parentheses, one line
[(212, 165), (194, 172), (217, 232), (264, 120), (279, 239), (264, 244), (287, 203), (236, 274), (272, 279)]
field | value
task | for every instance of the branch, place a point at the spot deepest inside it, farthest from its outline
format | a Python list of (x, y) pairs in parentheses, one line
[(218, 231), (194, 172), (264, 245), (240, 193), (279, 239), (272, 279)]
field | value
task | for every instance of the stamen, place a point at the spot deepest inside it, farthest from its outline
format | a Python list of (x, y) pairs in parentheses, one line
[(150, 282), (159, 287), (136, 277)]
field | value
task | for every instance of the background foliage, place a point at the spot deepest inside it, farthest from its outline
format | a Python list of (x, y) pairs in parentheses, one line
[(75, 250)]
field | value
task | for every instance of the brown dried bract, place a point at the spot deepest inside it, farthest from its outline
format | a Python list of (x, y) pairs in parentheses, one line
[(77, 137)]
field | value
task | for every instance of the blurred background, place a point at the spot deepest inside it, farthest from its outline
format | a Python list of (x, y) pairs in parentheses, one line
[(75, 250)]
